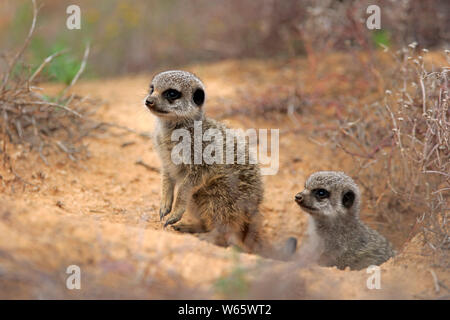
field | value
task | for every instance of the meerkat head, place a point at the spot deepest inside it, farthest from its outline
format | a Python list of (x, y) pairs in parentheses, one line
[(329, 194), (176, 95)]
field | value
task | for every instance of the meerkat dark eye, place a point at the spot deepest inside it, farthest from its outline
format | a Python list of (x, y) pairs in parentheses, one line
[(321, 194), (199, 97), (172, 94), (348, 198), (152, 88)]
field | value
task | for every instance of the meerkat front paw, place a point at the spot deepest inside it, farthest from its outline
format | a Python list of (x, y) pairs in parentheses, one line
[(174, 218), (164, 211), (189, 227)]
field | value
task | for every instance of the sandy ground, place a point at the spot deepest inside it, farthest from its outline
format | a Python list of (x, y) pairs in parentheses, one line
[(101, 214)]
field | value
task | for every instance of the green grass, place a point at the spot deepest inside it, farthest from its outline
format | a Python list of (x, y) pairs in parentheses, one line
[(235, 285), (381, 38), (63, 68)]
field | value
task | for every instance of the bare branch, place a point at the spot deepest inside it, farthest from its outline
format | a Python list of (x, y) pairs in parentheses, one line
[(21, 51), (80, 71), (46, 61)]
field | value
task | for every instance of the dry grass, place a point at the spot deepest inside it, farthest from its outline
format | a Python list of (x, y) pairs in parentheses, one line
[(391, 117), (38, 122), (402, 143)]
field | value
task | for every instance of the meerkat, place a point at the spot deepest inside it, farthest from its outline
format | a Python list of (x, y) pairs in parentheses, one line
[(225, 198), (336, 236)]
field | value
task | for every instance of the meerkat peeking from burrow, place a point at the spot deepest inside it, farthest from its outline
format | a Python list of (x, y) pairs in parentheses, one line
[(224, 197), (336, 236)]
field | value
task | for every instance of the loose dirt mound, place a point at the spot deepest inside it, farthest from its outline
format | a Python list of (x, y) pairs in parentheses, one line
[(102, 213)]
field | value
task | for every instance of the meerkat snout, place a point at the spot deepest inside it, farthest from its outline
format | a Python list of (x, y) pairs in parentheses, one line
[(152, 105), (149, 101)]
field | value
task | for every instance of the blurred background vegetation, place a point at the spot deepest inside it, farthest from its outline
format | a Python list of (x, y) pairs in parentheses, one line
[(143, 35)]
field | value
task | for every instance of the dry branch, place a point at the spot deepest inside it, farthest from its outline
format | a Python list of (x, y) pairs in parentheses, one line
[(80, 71), (43, 124), (46, 61), (22, 49), (409, 134)]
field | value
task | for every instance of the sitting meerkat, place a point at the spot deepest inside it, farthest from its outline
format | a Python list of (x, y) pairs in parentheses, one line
[(336, 236), (224, 197)]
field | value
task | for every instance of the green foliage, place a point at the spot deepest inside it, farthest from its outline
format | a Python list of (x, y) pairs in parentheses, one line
[(62, 69), (381, 38), (235, 285), (49, 98)]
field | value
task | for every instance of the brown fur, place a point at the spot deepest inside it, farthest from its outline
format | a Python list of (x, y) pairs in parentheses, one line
[(225, 198)]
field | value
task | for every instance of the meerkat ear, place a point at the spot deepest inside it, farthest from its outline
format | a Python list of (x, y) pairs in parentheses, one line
[(199, 97), (348, 198)]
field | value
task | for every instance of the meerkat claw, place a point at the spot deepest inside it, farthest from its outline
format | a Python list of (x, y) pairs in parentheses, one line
[(171, 220), (163, 213)]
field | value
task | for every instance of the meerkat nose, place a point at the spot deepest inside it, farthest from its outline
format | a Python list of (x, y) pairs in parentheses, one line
[(299, 197), (149, 101)]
